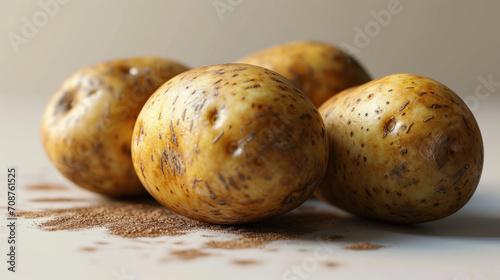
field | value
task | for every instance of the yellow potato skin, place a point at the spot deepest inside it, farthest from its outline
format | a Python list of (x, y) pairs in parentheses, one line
[(320, 70), (229, 144), (87, 125), (403, 148)]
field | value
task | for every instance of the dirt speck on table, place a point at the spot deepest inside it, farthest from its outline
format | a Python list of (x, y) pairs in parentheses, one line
[(245, 262), (189, 254), (46, 187), (88, 249), (330, 264)]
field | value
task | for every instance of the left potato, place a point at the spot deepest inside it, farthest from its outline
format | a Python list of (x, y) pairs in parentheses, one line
[(87, 125)]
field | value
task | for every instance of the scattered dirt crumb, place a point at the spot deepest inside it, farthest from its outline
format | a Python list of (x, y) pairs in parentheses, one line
[(189, 254), (46, 187), (330, 264), (133, 219), (88, 249), (363, 246), (245, 262), (101, 243)]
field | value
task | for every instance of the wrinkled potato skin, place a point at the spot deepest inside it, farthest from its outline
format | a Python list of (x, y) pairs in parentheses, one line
[(230, 144), (403, 148), (319, 70), (87, 125)]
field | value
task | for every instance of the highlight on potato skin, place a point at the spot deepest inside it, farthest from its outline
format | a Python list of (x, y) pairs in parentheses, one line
[(320, 70), (403, 148), (230, 144), (87, 125)]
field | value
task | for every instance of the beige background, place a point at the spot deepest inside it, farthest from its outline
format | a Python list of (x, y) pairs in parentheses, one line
[(451, 41), (455, 42)]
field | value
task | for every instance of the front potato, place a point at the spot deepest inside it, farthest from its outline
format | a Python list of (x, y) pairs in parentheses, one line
[(403, 148), (229, 144), (88, 123), (320, 70)]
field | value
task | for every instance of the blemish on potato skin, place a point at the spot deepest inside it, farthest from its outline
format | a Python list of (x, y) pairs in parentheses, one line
[(233, 183), (223, 180), (142, 169), (218, 81), (437, 106), (389, 126), (174, 137), (399, 169), (217, 137), (409, 128), (404, 106), (428, 118)]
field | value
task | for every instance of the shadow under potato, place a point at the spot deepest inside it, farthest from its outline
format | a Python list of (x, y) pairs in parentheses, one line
[(480, 218)]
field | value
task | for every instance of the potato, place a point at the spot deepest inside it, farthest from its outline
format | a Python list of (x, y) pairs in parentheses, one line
[(403, 148), (87, 125), (319, 69), (229, 144)]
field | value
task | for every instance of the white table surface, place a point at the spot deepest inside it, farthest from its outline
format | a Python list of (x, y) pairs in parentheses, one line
[(463, 246)]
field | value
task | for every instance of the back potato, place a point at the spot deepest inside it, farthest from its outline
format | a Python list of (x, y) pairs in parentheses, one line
[(229, 144), (403, 148), (87, 125), (320, 70)]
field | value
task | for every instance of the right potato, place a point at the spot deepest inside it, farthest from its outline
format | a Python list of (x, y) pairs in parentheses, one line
[(320, 70), (403, 148)]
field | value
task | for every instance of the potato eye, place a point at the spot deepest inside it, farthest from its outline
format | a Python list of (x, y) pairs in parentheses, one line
[(65, 103)]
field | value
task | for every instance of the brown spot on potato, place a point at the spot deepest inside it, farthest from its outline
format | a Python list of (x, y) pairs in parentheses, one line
[(428, 118), (440, 150), (437, 106), (223, 180), (253, 86), (404, 106), (174, 137), (233, 184), (389, 126), (217, 137), (399, 169), (409, 127), (173, 160)]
